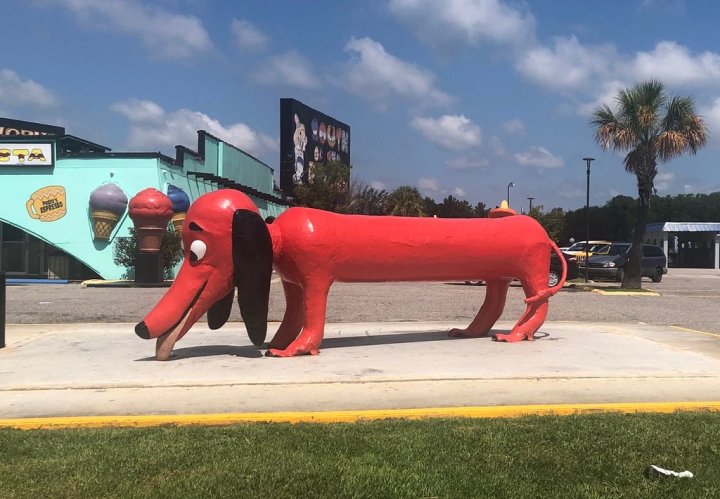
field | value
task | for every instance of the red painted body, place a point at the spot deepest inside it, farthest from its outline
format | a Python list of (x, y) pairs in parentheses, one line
[(356, 248), (311, 249)]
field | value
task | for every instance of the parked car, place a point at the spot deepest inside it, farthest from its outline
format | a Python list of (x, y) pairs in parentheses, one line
[(556, 268), (578, 249), (609, 262)]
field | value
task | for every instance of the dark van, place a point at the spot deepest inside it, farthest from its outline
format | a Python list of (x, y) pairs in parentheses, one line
[(609, 263)]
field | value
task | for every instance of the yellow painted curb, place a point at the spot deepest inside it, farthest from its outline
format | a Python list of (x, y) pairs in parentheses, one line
[(509, 411), (625, 293)]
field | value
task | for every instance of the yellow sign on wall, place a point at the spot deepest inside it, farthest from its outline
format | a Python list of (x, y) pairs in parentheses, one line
[(26, 154), (47, 204)]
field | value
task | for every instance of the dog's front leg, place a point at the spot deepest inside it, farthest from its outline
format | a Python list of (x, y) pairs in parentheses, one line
[(293, 319), (315, 293)]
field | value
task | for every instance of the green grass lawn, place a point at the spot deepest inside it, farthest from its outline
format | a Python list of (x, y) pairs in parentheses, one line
[(599, 455)]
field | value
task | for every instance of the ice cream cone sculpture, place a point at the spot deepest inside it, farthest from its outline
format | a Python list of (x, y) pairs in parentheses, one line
[(180, 205), (177, 220), (107, 205), (150, 211)]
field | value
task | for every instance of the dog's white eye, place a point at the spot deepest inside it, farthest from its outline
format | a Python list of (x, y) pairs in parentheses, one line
[(197, 250)]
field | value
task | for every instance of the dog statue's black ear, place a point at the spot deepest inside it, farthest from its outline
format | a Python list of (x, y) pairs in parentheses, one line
[(252, 261), (218, 313)]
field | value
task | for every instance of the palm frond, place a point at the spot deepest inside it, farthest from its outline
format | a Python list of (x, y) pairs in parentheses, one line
[(683, 130), (610, 131)]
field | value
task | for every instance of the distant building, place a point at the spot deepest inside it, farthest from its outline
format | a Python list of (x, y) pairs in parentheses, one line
[(47, 177), (688, 244)]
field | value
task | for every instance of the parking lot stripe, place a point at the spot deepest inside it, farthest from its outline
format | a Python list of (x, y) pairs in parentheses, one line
[(625, 293), (695, 331)]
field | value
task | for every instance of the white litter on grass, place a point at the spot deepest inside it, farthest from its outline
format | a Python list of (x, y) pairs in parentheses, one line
[(654, 471)]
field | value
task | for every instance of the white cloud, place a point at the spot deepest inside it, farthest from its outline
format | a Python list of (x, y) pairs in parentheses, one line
[(568, 65), (153, 128), (140, 111), (449, 131), (248, 37), (515, 127), (588, 74), (428, 184), (289, 69), (711, 115), (675, 65), (540, 158), (458, 192), (15, 91), (380, 77), (165, 35), (465, 163), (598, 71), (379, 186), (448, 24), (663, 181)]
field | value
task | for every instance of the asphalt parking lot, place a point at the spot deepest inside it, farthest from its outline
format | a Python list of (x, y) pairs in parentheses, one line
[(689, 298)]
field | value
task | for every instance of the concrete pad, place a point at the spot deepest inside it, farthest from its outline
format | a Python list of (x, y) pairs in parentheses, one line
[(105, 369)]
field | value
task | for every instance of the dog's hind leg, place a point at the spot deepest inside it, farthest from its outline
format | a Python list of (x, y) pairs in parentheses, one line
[(535, 312), (315, 295), (293, 319), (490, 312)]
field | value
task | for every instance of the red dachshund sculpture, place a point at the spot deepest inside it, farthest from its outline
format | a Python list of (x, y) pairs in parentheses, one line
[(228, 245)]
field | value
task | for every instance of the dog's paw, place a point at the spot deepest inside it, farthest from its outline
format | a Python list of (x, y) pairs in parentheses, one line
[(513, 337), (290, 352)]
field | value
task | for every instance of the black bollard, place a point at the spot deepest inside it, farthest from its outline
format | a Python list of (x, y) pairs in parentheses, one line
[(2, 309)]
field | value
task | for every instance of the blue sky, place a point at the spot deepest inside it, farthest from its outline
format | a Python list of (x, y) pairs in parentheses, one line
[(454, 97)]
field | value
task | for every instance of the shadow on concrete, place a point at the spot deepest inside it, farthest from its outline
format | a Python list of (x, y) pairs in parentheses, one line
[(251, 352), (248, 352)]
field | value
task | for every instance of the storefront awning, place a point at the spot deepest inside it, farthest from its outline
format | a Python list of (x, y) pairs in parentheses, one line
[(684, 227)]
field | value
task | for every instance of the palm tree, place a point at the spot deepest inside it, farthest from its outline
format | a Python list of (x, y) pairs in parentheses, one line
[(405, 201), (651, 126), (367, 200)]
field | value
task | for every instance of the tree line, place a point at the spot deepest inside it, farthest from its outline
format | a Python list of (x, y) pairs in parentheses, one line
[(616, 219), (333, 189)]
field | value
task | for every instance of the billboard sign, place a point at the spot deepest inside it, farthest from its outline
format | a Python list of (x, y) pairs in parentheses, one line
[(10, 127), (26, 154), (308, 137)]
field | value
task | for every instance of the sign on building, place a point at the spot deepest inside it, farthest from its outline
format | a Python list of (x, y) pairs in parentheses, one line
[(26, 154), (308, 137)]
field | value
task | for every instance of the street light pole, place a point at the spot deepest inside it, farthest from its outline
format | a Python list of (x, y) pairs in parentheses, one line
[(531, 200), (511, 184), (587, 218)]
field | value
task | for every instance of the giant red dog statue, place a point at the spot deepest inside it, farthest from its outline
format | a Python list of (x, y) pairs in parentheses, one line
[(227, 244)]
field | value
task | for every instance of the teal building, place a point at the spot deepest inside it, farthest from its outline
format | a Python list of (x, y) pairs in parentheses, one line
[(47, 228)]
